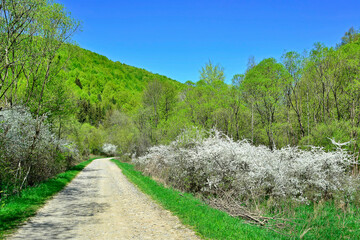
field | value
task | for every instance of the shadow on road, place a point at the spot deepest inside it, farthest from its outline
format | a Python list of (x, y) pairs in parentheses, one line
[(67, 211)]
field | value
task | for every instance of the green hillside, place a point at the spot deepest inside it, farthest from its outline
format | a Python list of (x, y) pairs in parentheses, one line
[(93, 100), (99, 82)]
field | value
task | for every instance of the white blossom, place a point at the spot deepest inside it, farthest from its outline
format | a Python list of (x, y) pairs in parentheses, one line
[(109, 149), (28, 148), (201, 163)]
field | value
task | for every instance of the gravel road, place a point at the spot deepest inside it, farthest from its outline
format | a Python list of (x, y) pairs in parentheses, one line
[(100, 203)]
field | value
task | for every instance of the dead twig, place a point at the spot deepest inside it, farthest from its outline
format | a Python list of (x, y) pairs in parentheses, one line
[(227, 203)]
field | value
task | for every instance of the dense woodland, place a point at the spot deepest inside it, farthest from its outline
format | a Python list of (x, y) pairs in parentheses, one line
[(60, 102), (299, 100)]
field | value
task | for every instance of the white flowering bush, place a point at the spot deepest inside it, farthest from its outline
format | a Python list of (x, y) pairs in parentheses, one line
[(109, 149), (29, 151), (216, 162)]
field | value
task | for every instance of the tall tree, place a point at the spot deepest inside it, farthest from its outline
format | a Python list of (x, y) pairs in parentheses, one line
[(351, 35), (151, 97), (251, 63), (210, 73), (31, 34), (264, 87), (293, 63)]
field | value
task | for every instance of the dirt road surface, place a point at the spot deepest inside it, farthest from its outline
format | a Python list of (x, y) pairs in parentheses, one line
[(100, 203)]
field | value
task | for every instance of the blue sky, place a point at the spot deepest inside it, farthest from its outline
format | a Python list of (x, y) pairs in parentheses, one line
[(176, 38)]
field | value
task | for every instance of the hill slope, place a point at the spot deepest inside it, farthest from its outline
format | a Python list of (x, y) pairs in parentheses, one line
[(98, 82)]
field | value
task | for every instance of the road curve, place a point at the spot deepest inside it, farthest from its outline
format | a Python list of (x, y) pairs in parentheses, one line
[(100, 203)]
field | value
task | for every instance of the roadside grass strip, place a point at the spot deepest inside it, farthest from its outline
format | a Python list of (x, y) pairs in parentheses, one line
[(17, 209), (209, 223), (328, 221)]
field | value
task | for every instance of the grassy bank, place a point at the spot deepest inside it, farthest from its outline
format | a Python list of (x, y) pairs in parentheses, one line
[(17, 209), (208, 222)]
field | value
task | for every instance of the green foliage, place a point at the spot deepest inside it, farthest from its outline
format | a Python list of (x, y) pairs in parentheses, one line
[(120, 131), (274, 104), (340, 131), (211, 74), (263, 88), (350, 36), (29, 58), (99, 82)]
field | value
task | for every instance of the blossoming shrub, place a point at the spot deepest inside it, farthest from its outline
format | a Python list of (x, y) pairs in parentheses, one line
[(29, 151), (109, 149), (215, 163)]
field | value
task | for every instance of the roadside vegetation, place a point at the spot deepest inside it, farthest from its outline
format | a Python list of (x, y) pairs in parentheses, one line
[(206, 221), (31, 34), (308, 193), (17, 209)]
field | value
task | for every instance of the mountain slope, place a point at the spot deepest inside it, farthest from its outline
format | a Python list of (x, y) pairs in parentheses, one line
[(99, 81)]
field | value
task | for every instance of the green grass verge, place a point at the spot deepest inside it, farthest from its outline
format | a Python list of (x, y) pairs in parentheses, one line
[(206, 221), (328, 221), (17, 209)]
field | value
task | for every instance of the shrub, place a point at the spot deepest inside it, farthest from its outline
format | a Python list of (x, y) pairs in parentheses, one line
[(215, 163), (29, 151), (109, 149)]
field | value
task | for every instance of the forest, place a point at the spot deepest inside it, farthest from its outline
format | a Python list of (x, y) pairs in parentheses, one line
[(299, 100), (60, 103)]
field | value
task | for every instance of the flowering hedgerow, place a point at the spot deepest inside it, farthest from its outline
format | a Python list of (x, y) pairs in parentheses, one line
[(29, 151), (216, 162)]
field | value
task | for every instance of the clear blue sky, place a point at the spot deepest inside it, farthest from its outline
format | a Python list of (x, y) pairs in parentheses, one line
[(177, 37)]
